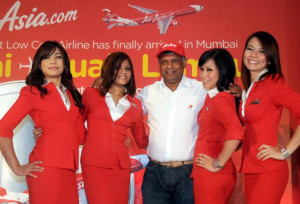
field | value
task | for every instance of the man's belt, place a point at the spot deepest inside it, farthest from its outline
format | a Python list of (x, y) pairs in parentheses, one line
[(173, 164)]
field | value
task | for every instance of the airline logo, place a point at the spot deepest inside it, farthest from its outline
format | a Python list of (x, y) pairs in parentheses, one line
[(35, 19), (163, 20), (168, 45)]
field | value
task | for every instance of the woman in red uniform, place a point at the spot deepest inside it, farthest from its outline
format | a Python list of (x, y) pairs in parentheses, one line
[(110, 111), (263, 160), (54, 104), (220, 130)]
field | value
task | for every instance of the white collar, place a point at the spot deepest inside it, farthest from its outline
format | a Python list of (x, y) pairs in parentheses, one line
[(108, 95), (258, 76), (62, 86), (213, 92), (183, 82)]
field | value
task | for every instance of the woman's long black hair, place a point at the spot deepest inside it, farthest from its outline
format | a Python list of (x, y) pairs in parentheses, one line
[(36, 77)]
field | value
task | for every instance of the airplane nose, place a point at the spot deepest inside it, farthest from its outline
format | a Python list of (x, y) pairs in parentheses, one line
[(197, 7)]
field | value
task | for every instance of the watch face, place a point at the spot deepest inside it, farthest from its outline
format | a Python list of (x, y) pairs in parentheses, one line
[(216, 163)]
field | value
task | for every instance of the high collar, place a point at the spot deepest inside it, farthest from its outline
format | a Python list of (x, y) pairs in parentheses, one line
[(213, 92), (259, 75), (51, 83)]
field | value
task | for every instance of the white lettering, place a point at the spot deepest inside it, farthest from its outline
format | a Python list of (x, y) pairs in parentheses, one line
[(34, 19), (14, 9), (217, 44), (16, 45)]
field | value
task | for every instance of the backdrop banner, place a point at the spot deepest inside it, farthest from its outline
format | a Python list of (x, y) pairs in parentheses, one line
[(91, 29)]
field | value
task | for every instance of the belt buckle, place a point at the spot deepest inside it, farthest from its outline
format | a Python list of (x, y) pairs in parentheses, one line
[(175, 164)]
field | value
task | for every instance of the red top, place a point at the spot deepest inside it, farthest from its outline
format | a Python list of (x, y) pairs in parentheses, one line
[(63, 130), (105, 139), (262, 116), (218, 122)]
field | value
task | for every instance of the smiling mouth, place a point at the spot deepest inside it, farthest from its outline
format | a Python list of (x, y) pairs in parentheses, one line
[(53, 68), (122, 77), (170, 72), (205, 82)]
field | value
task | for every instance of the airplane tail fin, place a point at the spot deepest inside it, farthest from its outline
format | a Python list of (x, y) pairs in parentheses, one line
[(109, 16)]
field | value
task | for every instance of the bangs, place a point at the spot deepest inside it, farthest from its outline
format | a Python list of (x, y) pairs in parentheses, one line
[(48, 50)]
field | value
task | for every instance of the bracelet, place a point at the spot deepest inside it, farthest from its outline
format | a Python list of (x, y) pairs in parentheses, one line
[(285, 153)]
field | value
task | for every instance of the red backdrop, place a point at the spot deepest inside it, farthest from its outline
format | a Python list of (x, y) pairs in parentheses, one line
[(78, 25)]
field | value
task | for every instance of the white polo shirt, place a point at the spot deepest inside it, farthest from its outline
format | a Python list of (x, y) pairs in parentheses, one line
[(172, 118)]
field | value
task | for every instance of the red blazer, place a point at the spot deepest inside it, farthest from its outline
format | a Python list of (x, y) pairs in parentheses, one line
[(218, 122), (63, 130), (105, 139), (262, 116)]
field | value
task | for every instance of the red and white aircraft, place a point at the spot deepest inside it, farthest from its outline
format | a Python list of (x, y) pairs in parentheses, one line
[(164, 20)]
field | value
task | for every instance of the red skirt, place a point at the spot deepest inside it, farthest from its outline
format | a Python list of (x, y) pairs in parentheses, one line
[(104, 185), (215, 189), (53, 185), (266, 187)]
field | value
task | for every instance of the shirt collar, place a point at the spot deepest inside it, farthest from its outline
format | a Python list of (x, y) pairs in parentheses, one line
[(109, 96), (183, 83), (47, 83), (213, 92), (63, 87), (258, 76)]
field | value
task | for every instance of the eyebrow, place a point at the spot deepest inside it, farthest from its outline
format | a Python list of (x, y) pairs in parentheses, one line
[(254, 46)]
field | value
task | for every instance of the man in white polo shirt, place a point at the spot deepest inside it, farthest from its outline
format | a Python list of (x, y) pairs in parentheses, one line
[(172, 105)]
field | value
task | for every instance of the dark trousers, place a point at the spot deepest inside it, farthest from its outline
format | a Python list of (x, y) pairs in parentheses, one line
[(166, 185)]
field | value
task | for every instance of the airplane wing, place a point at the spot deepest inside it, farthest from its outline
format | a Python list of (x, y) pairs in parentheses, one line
[(111, 26), (143, 10), (164, 24)]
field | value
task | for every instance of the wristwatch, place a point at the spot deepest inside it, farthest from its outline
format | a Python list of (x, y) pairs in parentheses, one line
[(217, 165), (285, 153)]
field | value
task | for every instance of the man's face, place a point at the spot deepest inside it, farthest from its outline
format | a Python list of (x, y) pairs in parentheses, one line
[(171, 68)]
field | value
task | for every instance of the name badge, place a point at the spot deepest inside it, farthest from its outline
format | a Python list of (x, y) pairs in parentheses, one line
[(255, 101)]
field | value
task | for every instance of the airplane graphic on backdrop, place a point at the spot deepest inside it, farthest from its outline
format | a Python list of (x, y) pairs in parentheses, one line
[(163, 20)]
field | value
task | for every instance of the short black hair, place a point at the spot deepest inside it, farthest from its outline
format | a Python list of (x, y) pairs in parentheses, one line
[(225, 65)]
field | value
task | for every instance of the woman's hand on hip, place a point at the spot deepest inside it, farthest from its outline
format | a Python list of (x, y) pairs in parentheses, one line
[(28, 169), (268, 152), (206, 162)]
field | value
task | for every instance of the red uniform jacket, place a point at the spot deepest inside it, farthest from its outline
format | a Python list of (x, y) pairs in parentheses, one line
[(218, 122), (105, 139), (262, 116), (63, 130)]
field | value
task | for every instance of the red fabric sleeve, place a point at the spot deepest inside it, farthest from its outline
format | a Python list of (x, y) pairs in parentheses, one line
[(138, 128), (283, 95), (85, 103), (80, 129), (227, 116), (23, 106)]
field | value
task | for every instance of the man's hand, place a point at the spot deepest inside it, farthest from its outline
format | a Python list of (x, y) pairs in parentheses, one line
[(128, 141), (235, 90), (97, 83), (37, 132)]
